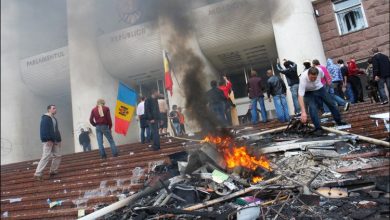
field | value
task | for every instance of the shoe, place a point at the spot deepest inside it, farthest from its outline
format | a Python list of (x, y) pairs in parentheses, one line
[(326, 114), (346, 107), (317, 132), (298, 114), (341, 123), (38, 178), (115, 155), (384, 103), (103, 157), (52, 174)]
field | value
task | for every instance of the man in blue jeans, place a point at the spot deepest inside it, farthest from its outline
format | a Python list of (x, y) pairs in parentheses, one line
[(256, 94), (292, 78), (216, 103), (381, 70), (310, 90), (101, 119), (277, 89), (143, 122)]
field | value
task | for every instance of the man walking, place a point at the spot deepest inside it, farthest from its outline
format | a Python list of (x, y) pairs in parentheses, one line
[(256, 94), (277, 89), (51, 141), (292, 80), (174, 117), (381, 70), (152, 113), (216, 102), (310, 90), (143, 122), (101, 119)]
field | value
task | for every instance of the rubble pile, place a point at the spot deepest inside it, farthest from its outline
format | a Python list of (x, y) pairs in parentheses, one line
[(288, 174)]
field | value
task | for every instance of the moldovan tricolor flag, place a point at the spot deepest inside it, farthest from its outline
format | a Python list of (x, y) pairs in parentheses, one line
[(125, 107), (167, 75)]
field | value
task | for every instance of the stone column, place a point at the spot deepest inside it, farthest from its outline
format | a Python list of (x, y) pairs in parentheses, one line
[(89, 79), (296, 34)]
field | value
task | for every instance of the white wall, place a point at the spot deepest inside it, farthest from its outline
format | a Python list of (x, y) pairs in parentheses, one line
[(21, 109), (296, 34), (89, 80)]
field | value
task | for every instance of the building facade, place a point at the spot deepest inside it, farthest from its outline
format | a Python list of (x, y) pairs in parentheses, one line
[(108, 42)]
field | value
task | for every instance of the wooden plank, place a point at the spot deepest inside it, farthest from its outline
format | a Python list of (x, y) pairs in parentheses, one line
[(324, 153), (363, 166), (365, 155)]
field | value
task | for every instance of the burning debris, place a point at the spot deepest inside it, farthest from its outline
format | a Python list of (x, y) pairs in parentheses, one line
[(230, 177)]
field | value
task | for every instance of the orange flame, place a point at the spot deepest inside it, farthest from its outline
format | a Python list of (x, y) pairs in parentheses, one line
[(257, 179), (237, 156)]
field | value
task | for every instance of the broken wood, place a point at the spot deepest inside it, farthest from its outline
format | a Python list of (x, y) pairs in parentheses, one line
[(358, 167), (360, 137), (297, 145), (364, 155), (235, 194), (324, 153), (380, 171), (264, 132)]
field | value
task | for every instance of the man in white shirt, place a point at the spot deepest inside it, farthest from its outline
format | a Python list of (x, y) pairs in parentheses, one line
[(143, 122), (310, 91)]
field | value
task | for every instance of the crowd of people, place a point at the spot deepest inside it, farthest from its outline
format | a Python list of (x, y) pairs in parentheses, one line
[(317, 89)]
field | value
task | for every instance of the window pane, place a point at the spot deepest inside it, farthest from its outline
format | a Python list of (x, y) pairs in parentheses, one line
[(351, 20), (338, 6)]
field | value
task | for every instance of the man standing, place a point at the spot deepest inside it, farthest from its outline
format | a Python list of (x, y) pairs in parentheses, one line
[(143, 122), (292, 80), (152, 113), (174, 117), (310, 90), (84, 139), (216, 102), (277, 89), (101, 119), (163, 107), (225, 85), (381, 70), (256, 94), (51, 141)]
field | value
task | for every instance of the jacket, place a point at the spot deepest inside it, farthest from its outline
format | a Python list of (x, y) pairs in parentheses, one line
[(334, 70), (152, 111), (255, 89), (95, 118), (290, 73), (47, 130), (215, 96), (276, 86), (381, 65)]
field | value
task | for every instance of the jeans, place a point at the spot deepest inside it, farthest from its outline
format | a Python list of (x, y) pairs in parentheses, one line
[(322, 95), (105, 130), (177, 128), (357, 88), (262, 109), (336, 99), (281, 108), (294, 94), (86, 146), (349, 94), (228, 113), (381, 87), (338, 88), (143, 129), (219, 111), (155, 135), (51, 150)]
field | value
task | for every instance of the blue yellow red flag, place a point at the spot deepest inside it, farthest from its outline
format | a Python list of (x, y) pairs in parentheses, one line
[(125, 107), (167, 73)]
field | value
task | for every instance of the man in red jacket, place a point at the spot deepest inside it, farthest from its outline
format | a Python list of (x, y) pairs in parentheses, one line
[(101, 119), (225, 85)]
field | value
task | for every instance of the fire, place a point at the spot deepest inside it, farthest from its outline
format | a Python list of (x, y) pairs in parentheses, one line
[(257, 179), (237, 155)]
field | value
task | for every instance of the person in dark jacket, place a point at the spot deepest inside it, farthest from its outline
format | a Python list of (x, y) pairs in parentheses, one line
[(256, 94), (381, 70), (51, 141), (152, 114), (84, 139), (347, 88), (216, 102), (354, 79), (277, 88), (101, 119), (291, 74)]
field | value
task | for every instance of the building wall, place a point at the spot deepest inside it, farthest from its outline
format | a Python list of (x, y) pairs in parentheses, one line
[(21, 109), (356, 44)]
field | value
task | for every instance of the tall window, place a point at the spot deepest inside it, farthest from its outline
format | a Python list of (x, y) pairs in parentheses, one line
[(350, 15)]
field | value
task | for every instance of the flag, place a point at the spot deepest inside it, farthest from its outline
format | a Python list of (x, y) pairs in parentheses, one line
[(167, 73), (125, 107)]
